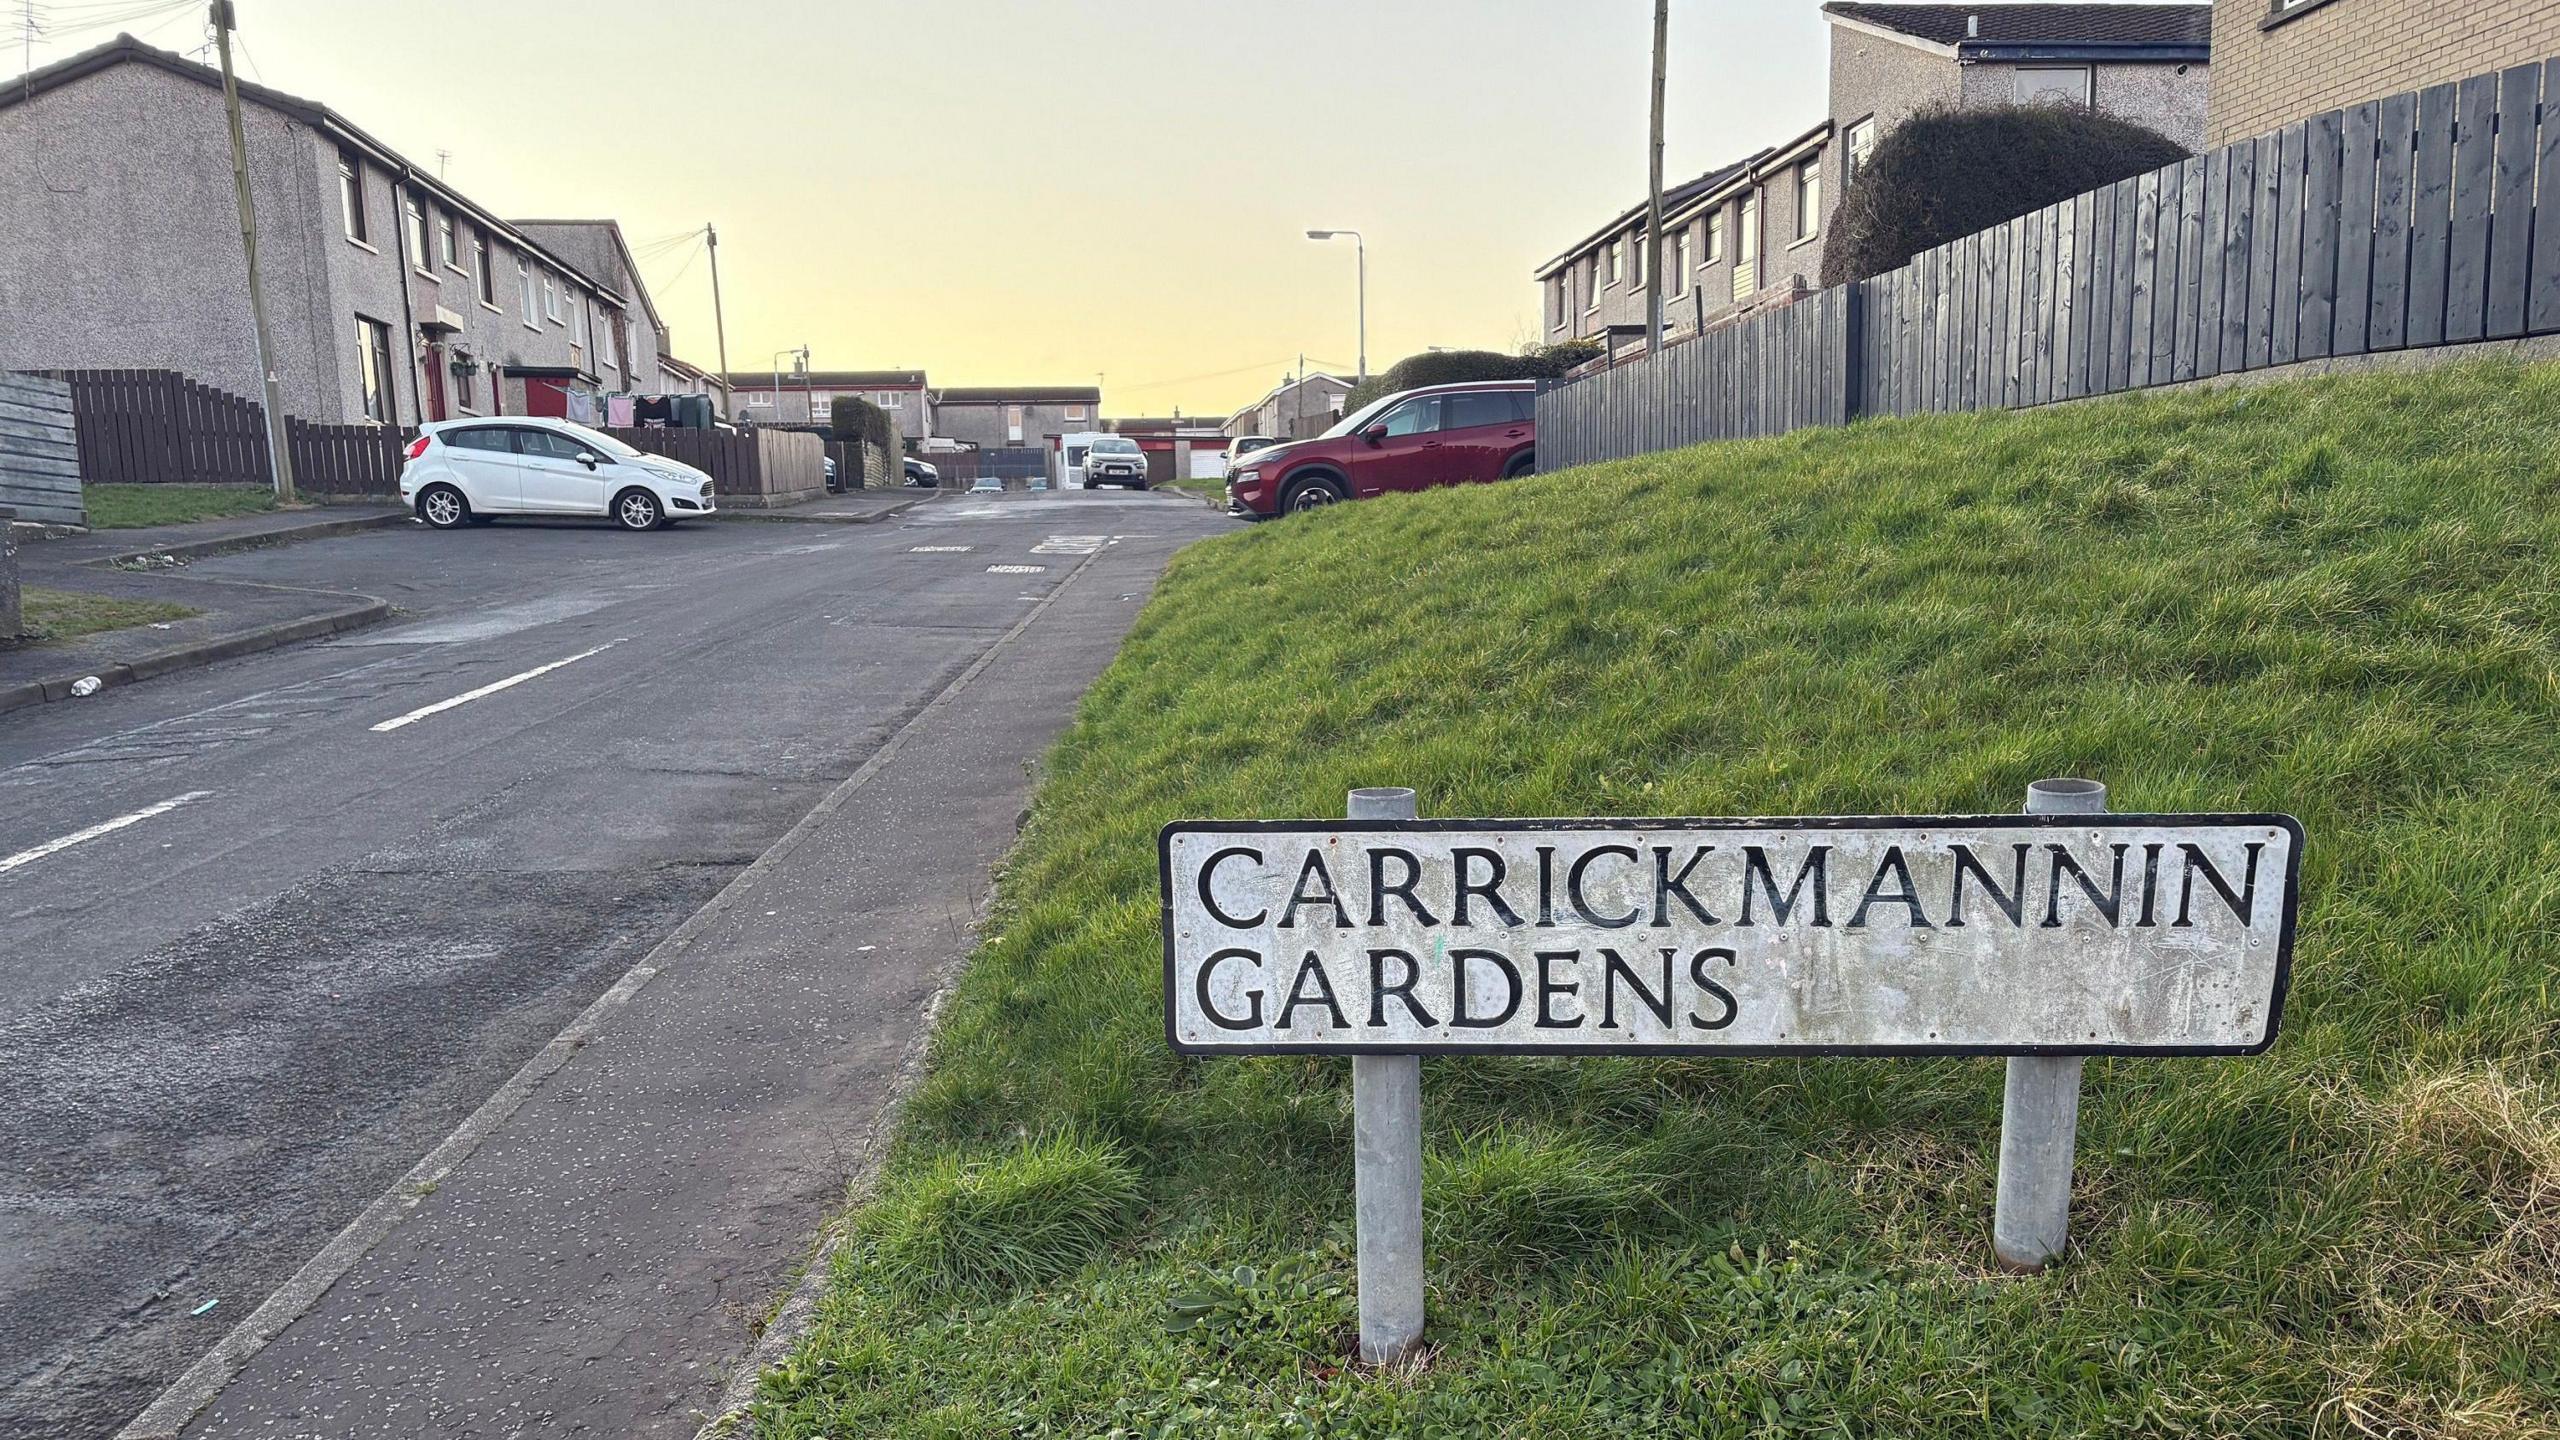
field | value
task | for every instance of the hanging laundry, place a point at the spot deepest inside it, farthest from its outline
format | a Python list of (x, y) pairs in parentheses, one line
[(653, 410), (617, 410), (582, 407)]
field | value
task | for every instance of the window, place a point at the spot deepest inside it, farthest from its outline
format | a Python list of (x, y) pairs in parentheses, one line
[(1617, 261), (1680, 262), (351, 194), (1862, 139), (480, 267), (1641, 257), (1746, 248), (416, 216), (499, 438), (548, 444), (2052, 84), (607, 348), (1715, 236), (1013, 423), (550, 298), (1413, 417), (373, 369), (524, 287), (1808, 199), (1484, 407), (1563, 284), (447, 252), (1591, 287), (466, 384), (1075, 412)]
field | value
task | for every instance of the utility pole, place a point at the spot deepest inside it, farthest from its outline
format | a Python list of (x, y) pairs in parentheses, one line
[(719, 324), (1653, 199), (279, 449)]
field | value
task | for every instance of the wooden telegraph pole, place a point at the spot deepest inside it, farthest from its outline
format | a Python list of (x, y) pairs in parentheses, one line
[(1653, 201), (279, 451)]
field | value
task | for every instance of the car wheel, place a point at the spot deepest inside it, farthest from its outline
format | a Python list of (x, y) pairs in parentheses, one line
[(637, 510), (1309, 495), (443, 507), (1522, 465), (1087, 484)]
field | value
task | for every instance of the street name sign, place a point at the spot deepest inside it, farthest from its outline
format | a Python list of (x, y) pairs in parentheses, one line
[(2038, 934)]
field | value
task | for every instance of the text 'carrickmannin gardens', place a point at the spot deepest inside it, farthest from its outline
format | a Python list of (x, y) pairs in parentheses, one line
[(2013, 934)]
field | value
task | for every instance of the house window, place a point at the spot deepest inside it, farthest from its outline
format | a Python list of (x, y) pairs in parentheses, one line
[(1075, 412), (1564, 295), (1680, 262), (466, 387), (1862, 139), (1715, 236), (416, 216), (1746, 248), (1641, 248), (609, 341), (1013, 423), (448, 251), (1591, 287), (373, 368), (351, 193), (524, 289), (2052, 84), (550, 298), (480, 267), (1808, 199), (1617, 261)]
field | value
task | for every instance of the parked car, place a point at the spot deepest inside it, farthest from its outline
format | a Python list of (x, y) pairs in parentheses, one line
[(1244, 445), (832, 486), (919, 473), (1115, 460), (989, 484), (1411, 440), (470, 472)]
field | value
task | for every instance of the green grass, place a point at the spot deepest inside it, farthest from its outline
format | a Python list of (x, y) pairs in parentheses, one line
[(129, 507), (2340, 599), (68, 614)]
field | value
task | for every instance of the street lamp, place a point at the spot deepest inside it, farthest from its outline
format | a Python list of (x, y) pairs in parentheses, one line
[(1361, 249)]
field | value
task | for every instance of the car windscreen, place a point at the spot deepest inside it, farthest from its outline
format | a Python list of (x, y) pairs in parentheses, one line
[(1115, 447)]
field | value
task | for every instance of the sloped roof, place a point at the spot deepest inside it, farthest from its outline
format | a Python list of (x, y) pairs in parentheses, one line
[(2002, 25), (1019, 395), (831, 379), (1673, 197)]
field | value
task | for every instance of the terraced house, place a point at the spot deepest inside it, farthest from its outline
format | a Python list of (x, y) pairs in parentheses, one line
[(391, 296), (1749, 234)]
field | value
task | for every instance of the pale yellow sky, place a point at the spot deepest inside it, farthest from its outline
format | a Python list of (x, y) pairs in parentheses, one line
[(1008, 191)]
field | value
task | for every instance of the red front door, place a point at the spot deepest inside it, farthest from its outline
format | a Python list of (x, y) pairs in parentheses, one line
[(435, 382)]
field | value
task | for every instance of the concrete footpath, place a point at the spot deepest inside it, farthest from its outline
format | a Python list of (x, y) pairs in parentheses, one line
[(595, 1249), (232, 619)]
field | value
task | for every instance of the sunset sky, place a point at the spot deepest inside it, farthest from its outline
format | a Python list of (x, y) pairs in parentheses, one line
[(1036, 191)]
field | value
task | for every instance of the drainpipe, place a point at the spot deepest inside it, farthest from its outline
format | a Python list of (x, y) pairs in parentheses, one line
[(408, 312)]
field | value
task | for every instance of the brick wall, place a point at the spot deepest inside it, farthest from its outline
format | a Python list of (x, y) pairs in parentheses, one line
[(2337, 52)]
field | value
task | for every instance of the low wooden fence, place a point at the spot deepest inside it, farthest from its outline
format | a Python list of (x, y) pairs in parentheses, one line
[(2400, 223), (753, 467), (39, 452), (157, 427)]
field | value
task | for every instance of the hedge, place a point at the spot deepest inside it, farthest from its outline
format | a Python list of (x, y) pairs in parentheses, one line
[(1944, 174)]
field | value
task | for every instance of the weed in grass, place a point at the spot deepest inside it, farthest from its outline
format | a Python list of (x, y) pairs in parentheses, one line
[(996, 1224)]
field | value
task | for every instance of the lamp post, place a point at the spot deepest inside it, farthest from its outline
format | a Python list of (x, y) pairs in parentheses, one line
[(1360, 248)]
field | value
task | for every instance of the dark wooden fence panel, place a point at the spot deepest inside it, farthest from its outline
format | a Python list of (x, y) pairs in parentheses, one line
[(2357, 226), (2511, 204)]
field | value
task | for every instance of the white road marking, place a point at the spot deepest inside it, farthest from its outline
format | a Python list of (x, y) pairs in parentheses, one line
[(1071, 545), (940, 549), (492, 688), (103, 827), (1016, 569)]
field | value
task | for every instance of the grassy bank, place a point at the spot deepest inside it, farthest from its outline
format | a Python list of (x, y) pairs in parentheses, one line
[(2340, 599), (69, 614), (130, 507)]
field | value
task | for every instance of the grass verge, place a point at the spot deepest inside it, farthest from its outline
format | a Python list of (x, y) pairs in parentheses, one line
[(2335, 598), (130, 507), (52, 615)]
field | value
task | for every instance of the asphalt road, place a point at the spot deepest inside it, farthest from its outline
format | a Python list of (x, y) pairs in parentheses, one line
[(270, 930)]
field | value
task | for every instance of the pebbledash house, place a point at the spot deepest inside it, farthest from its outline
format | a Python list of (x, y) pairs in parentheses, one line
[(391, 296)]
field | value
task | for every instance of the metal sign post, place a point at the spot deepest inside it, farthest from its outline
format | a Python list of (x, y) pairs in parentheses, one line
[(2045, 937), (2040, 1107), (1386, 1146)]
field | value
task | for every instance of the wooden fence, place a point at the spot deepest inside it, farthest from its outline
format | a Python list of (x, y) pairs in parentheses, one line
[(157, 427), (39, 451), (2395, 224)]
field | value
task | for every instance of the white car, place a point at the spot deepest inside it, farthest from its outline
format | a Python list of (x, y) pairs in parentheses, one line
[(469, 472)]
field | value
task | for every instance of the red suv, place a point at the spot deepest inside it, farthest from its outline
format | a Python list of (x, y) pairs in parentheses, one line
[(1437, 435)]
